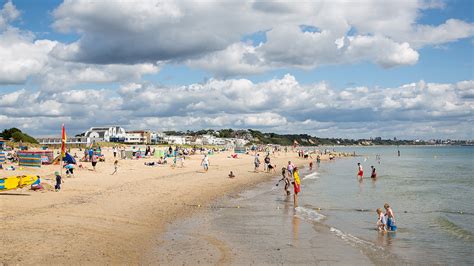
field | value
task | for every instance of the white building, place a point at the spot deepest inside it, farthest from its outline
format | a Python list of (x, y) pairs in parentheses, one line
[(105, 134), (176, 140)]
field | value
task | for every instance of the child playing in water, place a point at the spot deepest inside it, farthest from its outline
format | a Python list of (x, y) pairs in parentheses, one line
[(287, 181), (390, 218), (381, 221)]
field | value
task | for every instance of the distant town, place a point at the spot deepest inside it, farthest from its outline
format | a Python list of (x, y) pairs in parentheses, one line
[(222, 137)]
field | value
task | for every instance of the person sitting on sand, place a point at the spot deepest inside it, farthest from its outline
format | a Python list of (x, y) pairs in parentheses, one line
[(381, 221), (231, 174), (374, 174), (390, 218)]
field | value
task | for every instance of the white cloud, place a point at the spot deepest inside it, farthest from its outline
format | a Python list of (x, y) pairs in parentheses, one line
[(8, 14), (21, 56), (281, 105), (207, 35)]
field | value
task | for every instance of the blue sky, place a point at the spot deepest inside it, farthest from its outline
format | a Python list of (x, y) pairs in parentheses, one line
[(107, 47)]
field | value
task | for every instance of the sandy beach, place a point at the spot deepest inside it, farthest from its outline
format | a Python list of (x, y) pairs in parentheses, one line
[(99, 218)]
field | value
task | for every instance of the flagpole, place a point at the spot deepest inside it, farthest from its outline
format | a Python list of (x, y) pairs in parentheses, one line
[(61, 153)]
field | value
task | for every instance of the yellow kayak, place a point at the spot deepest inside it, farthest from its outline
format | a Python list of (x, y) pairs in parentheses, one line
[(14, 182)]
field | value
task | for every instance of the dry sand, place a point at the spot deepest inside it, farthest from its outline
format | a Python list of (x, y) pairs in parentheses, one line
[(98, 218)]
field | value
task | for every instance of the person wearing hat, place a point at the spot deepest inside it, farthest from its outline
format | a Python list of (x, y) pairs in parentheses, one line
[(57, 187)]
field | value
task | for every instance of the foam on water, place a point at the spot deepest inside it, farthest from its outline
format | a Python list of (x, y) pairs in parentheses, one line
[(355, 241), (314, 175), (309, 214)]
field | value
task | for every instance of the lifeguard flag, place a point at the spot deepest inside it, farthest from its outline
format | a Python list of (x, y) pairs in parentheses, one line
[(63, 141)]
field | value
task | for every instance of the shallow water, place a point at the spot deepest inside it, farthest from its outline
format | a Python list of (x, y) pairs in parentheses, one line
[(429, 188)]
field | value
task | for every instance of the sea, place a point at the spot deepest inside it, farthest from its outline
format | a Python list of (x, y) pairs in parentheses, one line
[(430, 189)]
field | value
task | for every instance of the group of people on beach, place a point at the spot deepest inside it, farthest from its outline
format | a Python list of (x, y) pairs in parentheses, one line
[(290, 175)]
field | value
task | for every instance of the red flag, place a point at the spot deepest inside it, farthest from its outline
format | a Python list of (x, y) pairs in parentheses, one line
[(63, 141)]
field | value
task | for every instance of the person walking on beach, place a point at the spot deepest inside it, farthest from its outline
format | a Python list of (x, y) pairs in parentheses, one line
[(297, 186), (205, 163), (115, 151), (91, 152), (289, 168), (266, 163), (257, 162), (94, 160), (360, 172), (285, 178), (57, 187), (115, 167)]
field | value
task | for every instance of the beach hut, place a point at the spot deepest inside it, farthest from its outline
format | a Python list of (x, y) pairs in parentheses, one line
[(30, 159)]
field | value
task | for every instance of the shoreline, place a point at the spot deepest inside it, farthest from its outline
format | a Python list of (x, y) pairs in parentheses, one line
[(255, 226), (99, 218)]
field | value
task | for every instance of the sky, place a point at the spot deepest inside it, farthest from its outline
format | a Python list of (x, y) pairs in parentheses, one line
[(339, 68)]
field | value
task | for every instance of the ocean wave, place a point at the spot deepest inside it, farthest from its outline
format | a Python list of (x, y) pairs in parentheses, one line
[(355, 241), (314, 175), (309, 214), (454, 229)]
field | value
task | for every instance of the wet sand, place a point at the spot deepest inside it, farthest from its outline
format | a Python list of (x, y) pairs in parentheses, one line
[(98, 218), (253, 228)]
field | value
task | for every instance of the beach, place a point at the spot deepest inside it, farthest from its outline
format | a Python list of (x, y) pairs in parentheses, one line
[(99, 218)]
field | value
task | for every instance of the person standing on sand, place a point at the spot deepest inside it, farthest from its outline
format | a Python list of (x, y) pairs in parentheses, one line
[(266, 163), (205, 163), (257, 162), (94, 160), (115, 167), (115, 151), (57, 187), (297, 186)]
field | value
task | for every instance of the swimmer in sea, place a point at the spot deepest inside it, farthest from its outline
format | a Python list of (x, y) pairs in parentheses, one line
[(374, 173)]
